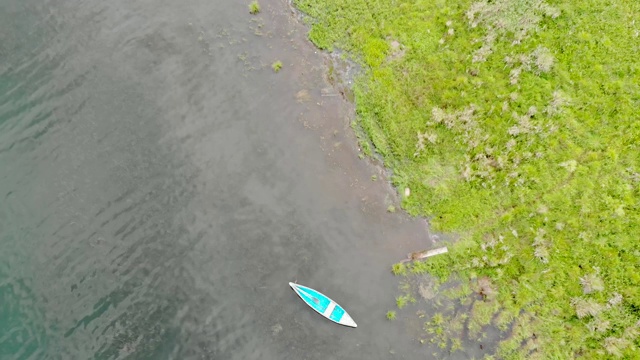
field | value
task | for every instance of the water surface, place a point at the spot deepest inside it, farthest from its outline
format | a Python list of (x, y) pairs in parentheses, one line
[(160, 186)]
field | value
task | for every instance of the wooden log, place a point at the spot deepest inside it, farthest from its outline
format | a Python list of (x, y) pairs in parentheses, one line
[(437, 251), (419, 255)]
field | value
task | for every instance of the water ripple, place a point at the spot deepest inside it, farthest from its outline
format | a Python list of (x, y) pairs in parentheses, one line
[(157, 191)]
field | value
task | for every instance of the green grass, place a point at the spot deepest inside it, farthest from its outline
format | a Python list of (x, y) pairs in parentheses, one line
[(254, 7), (401, 301), (399, 269), (515, 124), (276, 66), (391, 315), (404, 300)]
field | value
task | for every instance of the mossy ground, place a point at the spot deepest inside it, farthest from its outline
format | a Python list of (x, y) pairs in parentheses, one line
[(516, 124)]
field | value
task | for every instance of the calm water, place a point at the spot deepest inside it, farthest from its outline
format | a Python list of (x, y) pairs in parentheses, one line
[(160, 186)]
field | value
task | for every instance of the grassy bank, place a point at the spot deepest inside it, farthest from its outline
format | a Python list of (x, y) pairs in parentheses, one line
[(515, 124)]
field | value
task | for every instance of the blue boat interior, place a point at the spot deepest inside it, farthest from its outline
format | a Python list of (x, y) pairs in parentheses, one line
[(320, 302), (337, 313)]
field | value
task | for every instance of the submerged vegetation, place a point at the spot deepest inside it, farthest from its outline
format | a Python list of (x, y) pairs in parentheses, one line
[(254, 7), (276, 66), (516, 125)]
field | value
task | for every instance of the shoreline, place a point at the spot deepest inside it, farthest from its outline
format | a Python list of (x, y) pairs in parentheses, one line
[(339, 75), (370, 184), (376, 195)]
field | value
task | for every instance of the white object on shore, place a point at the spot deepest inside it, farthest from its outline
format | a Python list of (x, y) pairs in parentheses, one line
[(419, 255), (437, 251)]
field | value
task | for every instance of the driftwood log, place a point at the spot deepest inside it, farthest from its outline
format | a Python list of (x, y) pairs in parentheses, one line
[(420, 255)]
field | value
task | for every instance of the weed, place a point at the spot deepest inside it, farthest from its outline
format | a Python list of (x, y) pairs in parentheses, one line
[(391, 208), (399, 269), (391, 315), (254, 7), (402, 301), (276, 66)]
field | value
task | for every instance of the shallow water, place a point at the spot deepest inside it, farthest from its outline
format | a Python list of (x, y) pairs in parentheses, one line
[(160, 186)]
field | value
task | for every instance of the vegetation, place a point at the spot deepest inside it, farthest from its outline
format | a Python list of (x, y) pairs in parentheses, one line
[(391, 315), (515, 123), (407, 298), (254, 7), (399, 269), (276, 66)]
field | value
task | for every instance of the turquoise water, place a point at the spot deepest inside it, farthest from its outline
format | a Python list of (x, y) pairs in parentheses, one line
[(160, 186)]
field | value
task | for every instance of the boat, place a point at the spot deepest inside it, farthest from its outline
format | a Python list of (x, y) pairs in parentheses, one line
[(323, 305)]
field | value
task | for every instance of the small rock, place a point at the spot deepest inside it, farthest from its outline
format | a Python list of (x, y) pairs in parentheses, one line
[(407, 192)]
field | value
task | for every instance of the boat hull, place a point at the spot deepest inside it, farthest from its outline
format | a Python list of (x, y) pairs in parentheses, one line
[(323, 305)]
